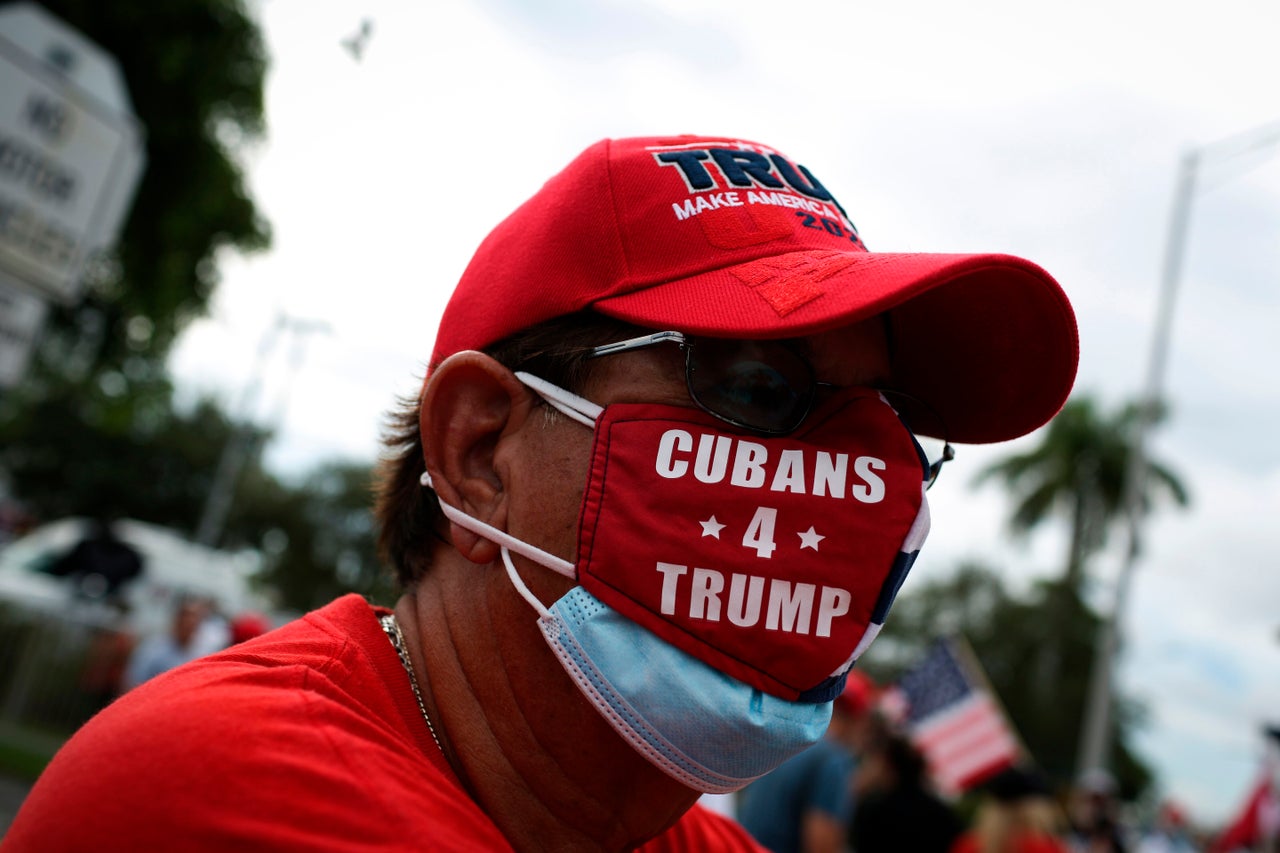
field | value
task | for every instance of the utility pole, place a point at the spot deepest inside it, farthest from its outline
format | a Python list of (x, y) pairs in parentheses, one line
[(241, 443), (1095, 738)]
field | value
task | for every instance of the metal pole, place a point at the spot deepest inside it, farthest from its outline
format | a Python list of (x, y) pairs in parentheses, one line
[(1095, 738), (241, 445), (218, 502)]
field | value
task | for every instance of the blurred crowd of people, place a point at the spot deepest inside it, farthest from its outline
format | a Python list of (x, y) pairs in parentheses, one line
[(98, 568), (119, 660), (866, 788)]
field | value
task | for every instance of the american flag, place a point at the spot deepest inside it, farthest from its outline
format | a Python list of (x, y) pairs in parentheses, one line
[(954, 720)]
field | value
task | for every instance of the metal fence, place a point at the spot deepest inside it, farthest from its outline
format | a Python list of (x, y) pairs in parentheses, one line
[(58, 668)]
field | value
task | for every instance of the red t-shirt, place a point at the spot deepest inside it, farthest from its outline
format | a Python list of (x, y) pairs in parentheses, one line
[(307, 738)]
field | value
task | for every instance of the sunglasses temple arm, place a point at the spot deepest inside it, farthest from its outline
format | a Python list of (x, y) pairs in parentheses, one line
[(935, 468), (636, 343)]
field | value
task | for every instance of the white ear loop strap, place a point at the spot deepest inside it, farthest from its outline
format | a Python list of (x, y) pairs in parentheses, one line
[(570, 405), (519, 584), (501, 537), (567, 403)]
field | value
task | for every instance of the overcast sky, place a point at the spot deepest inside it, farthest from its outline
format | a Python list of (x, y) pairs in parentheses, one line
[(949, 127)]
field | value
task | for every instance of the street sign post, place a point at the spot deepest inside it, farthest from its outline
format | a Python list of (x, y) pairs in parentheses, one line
[(21, 317)]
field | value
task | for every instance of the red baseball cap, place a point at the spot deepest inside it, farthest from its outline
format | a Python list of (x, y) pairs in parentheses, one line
[(859, 695), (722, 237), (248, 625)]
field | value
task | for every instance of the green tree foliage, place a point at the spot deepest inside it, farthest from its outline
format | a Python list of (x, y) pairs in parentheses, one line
[(318, 537), (194, 70), (112, 449), (1009, 634), (1078, 472)]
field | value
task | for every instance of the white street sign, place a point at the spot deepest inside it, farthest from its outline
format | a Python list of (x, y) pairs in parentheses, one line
[(71, 151)]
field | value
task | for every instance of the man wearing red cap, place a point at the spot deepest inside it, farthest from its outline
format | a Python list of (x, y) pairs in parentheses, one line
[(655, 498)]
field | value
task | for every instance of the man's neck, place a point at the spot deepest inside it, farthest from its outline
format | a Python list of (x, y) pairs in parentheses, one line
[(528, 748)]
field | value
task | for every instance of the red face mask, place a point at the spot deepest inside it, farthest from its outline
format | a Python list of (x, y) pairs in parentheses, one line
[(773, 559)]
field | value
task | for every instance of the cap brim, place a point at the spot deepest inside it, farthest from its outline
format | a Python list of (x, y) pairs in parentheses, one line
[(988, 343)]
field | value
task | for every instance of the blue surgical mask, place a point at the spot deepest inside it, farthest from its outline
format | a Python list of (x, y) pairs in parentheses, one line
[(703, 728)]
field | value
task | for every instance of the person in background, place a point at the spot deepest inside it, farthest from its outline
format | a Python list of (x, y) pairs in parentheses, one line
[(1094, 812), (896, 808), (804, 806), (110, 648), (1168, 833), (656, 495), (247, 625), (214, 632), (169, 649), (1016, 814)]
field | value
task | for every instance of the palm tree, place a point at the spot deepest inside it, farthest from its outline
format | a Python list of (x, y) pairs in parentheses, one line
[(1078, 470)]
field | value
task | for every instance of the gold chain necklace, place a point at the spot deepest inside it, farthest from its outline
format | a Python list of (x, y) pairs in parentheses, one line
[(392, 629)]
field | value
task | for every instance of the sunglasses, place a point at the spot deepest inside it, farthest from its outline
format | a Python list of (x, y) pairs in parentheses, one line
[(765, 386)]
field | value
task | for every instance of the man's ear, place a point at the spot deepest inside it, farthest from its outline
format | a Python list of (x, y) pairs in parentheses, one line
[(467, 404)]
